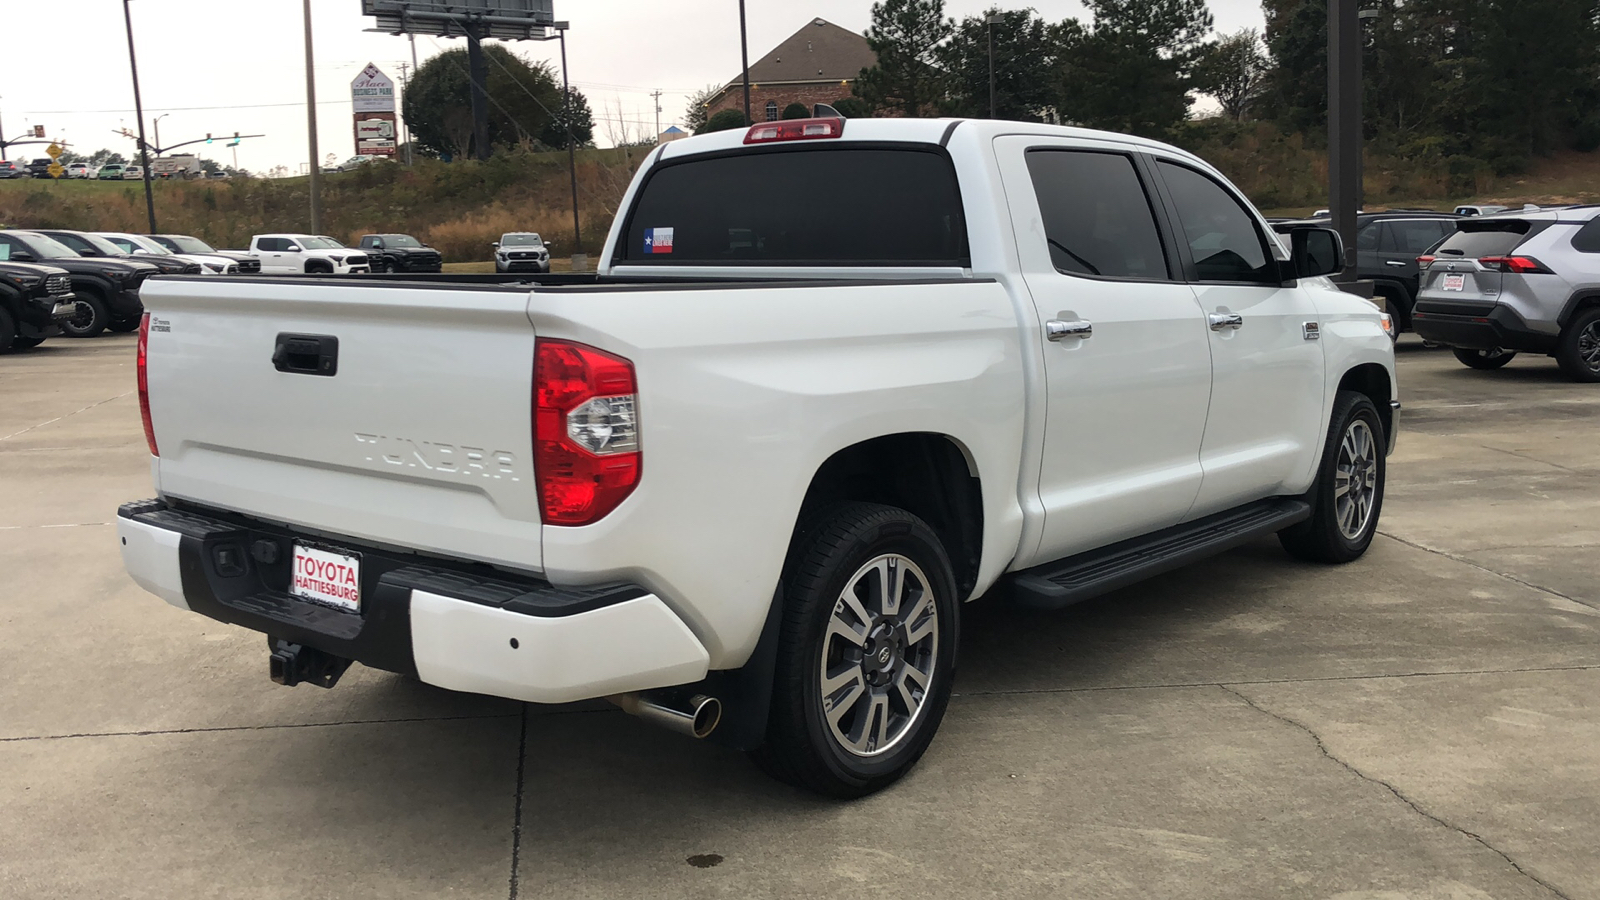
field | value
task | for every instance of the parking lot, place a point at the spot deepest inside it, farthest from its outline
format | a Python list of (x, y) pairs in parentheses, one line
[(1422, 723)]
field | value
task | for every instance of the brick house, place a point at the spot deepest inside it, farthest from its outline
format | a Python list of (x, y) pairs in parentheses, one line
[(817, 64)]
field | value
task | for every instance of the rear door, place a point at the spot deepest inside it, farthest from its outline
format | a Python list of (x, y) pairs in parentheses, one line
[(1128, 371), (418, 436), (1263, 432)]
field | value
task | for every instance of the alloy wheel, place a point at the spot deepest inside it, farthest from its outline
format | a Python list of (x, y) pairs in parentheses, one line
[(1355, 482), (1589, 346), (878, 655)]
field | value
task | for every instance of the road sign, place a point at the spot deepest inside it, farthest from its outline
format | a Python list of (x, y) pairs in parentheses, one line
[(56, 170), (54, 150), (38, 131)]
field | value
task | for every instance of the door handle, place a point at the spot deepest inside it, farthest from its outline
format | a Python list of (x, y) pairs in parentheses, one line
[(1394, 262), (1059, 330), (1220, 321)]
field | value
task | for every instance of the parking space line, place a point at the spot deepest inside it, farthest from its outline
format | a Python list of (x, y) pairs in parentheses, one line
[(68, 415), (1483, 568)]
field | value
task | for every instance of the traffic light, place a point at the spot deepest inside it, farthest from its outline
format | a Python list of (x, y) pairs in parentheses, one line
[(208, 137), (38, 131)]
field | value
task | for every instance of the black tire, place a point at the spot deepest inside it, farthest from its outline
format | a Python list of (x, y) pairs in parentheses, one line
[(1326, 536), (123, 326), (8, 331), (26, 343), (1579, 351), (831, 553), (90, 319), (385, 266), (1484, 359)]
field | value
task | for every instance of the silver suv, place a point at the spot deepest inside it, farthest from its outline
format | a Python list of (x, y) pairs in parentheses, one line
[(1517, 282)]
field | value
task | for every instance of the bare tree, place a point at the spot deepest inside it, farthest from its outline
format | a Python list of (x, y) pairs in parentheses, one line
[(1233, 71)]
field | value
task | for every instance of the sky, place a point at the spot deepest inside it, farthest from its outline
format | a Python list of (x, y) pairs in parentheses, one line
[(222, 66)]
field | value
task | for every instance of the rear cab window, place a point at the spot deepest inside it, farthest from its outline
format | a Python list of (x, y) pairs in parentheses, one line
[(808, 206), (1481, 237)]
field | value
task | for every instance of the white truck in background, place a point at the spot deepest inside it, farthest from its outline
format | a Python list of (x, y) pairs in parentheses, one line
[(831, 380), (178, 165)]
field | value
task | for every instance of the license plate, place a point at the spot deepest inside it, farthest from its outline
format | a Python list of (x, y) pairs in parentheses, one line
[(327, 576), (1455, 282)]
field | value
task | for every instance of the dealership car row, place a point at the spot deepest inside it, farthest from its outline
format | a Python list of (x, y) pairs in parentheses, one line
[(80, 284)]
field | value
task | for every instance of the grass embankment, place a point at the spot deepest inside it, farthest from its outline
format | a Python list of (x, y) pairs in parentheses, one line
[(459, 208)]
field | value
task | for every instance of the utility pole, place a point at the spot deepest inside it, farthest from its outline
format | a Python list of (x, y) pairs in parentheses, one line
[(138, 110), (478, 75), (572, 164), (311, 121), (406, 130), (1344, 126), (157, 123), (992, 21), (657, 97), (744, 60)]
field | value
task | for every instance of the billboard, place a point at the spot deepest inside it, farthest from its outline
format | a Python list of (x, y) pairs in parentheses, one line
[(507, 20), (372, 91), (376, 134)]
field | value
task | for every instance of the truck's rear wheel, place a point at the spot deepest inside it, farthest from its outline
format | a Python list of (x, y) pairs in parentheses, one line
[(1348, 495), (867, 651), (8, 331), (1579, 351)]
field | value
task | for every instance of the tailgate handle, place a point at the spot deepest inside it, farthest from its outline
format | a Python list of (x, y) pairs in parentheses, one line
[(306, 354)]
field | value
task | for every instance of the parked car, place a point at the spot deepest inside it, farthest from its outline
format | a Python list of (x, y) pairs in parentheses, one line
[(521, 251), (106, 290), (80, 170), (95, 246), (30, 296), (110, 172), (743, 479), (140, 245), (1479, 210), (400, 253), (9, 169), (1518, 283), (305, 254), (1387, 246), (132, 173), (40, 168), (183, 243)]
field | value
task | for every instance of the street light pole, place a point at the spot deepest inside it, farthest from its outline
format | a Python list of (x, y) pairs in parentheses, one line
[(138, 110), (157, 124), (572, 159), (744, 58), (992, 21), (311, 120)]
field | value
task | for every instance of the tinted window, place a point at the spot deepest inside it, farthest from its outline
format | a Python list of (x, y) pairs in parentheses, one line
[(1412, 236), (76, 243), (1367, 237), (835, 206), (1481, 238), (1097, 217), (271, 244), (1587, 240), (1222, 236)]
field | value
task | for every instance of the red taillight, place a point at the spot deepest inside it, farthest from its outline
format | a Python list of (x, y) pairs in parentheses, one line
[(144, 384), (794, 130), (585, 431), (1425, 261), (1521, 265)]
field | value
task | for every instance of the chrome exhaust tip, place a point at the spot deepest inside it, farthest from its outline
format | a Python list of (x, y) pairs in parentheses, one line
[(695, 716)]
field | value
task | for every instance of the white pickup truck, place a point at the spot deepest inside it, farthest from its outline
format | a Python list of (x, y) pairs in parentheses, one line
[(831, 380)]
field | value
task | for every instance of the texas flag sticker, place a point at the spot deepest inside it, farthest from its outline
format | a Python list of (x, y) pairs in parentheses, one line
[(658, 240)]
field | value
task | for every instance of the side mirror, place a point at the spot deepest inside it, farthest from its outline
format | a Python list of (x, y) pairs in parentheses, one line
[(21, 256), (292, 248), (138, 251), (495, 244), (1315, 251)]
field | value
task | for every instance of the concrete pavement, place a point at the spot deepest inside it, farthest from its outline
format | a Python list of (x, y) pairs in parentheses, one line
[(1420, 724)]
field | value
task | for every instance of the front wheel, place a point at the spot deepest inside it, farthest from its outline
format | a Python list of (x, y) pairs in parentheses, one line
[(1579, 351), (866, 654), (1484, 359), (89, 317), (26, 343), (1348, 495)]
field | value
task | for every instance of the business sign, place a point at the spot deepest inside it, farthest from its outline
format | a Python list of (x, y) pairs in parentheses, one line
[(372, 91), (375, 134)]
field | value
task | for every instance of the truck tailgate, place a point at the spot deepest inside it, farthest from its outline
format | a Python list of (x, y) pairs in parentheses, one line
[(420, 438)]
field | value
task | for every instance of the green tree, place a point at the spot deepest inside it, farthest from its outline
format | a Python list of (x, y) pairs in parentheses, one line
[(1024, 56), (555, 134), (104, 157), (906, 36), (1296, 91), (1131, 71), (524, 98), (723, 121), (695, 108), (1232, 71), (796, 111), (852, 108)]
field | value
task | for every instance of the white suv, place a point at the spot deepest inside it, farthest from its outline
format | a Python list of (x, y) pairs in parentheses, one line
[(306, 254)]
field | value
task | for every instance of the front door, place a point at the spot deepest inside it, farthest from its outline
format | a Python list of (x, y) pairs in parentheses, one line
[(1264, 431), (1126, 361)]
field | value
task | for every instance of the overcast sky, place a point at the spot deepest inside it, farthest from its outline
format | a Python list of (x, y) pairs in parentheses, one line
[(222, 66)]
